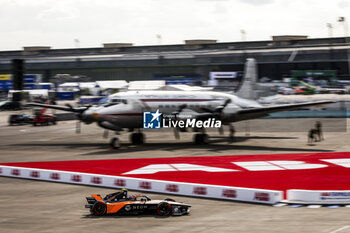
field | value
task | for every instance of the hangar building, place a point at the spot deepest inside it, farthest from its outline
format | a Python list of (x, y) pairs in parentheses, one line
[(192, 60)]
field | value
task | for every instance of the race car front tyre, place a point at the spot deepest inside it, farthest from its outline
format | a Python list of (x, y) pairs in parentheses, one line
[(99, 209), (163, 209)]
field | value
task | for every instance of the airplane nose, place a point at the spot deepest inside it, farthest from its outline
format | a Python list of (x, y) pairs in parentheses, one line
[(89, 116), (98, 116)]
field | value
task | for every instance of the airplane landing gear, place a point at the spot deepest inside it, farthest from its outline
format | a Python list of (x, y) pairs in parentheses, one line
[(137, 138), (201, 139), (115, 142)]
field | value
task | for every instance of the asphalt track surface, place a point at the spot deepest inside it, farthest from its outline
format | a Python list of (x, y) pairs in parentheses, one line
[(37, 206)]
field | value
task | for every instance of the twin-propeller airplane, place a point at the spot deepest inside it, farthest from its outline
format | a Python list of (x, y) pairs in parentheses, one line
[(125, 110)]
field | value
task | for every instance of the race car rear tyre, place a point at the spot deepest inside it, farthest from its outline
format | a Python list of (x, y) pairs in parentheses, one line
[(163, 209), (99, 209)]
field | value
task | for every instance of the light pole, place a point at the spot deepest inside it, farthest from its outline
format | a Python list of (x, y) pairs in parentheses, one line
[(77, 43), (243, 34), (330, 29), (159, 38), (343, 21)]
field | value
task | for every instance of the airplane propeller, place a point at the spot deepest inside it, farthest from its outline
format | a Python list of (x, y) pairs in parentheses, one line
[(221, 130), (216, 113), (105, 133), (78, 127), (79, 113), (179, 110), (176, 114), (176, 133)]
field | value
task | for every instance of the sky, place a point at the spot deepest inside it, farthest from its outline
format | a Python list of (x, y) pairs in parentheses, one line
[(90, 23)]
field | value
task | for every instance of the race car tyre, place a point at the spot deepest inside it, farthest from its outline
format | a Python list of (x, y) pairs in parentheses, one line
[(54, 121), (115, 143), (99, 209), (163, 209)]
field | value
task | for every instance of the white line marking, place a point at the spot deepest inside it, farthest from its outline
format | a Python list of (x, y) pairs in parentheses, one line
[(313, 206), (333, 206), (296, 206), (340, 229), (279, 205)]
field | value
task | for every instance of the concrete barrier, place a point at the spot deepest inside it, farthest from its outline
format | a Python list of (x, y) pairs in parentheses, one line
[(319, 196), (148, 185)]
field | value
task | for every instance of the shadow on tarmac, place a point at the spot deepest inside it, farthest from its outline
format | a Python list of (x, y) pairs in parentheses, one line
[(214, 146), (145, 215)]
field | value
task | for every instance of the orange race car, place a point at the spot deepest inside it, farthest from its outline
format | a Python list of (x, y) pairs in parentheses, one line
[(121, 203)]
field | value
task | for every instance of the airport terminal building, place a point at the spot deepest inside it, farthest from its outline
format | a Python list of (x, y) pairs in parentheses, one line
[(193, 60)]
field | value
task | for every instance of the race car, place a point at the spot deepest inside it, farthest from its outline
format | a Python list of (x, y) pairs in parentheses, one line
[(44, 119), (20, 119), (120, 203)]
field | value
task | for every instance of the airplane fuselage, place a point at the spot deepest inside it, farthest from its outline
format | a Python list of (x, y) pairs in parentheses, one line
[(126, 109)]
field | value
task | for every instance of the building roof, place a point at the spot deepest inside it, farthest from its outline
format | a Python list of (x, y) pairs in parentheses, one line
[(112, 84), (184, 87), (147, 85)]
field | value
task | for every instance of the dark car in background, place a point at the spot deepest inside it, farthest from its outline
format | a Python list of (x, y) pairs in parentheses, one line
[(20, 119), (9, 105)]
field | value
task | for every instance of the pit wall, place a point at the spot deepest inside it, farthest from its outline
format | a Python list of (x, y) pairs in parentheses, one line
[(147, 185), (178, 188)]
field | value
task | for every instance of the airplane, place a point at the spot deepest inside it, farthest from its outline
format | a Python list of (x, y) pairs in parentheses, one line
[(125, 110)]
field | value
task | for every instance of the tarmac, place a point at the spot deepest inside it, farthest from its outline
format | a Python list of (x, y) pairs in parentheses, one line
[(37, 206)]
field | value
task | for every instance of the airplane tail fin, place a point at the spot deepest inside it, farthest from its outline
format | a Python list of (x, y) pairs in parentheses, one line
[(248, 87)]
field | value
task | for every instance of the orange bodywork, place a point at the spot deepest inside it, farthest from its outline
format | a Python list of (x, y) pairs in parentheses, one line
[(113, 207), (116, 206), (97, 197)]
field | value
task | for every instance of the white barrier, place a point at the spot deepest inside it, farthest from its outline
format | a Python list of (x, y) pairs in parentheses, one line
[(321, 197), (170, 187)]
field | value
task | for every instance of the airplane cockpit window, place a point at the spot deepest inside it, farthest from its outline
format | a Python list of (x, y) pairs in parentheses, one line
[(115, 102)]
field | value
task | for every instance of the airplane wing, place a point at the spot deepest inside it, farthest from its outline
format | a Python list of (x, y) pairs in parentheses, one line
[(252, 113), (246, 114), (67, 108)]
